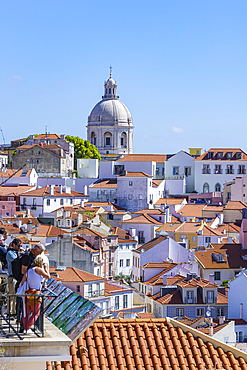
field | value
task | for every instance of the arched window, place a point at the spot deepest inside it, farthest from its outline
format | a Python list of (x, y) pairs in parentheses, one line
[(217, 187), (123, 140), (109, 90), (93, 138), (108, 139), (205, 188)]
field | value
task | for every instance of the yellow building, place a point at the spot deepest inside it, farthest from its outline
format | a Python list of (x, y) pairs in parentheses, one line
[(195, 152)]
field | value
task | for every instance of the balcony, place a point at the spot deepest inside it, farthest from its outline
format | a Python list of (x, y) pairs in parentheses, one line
[(241, 171), (33, 207), (218, 171), (206, 171), (229, 171), (96, 293), (23, 206), (111, 260), (141, 240)]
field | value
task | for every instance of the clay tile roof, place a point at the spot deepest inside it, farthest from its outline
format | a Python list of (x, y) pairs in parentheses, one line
[(48, 230), (169, 227), (145, 315), (169, 201), (215, 328), (86, 231), (8, 172), (151, 243), (14, 190), (47, 136), (151, 211), (142, 219), (231, 253), (156, 183), (149, 344), (112, 287), (74, 274), (44, 192), (224, 152), (213, 208), (233, 205), (135, 174), (193, 210), (143, 158), (111, 183), (123, 234)]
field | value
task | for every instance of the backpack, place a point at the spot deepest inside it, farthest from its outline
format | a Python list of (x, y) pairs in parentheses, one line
[(17, 265), (3, 252)]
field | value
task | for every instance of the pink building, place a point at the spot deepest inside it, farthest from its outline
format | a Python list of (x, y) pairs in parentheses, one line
[(7, 208), (211, 198)]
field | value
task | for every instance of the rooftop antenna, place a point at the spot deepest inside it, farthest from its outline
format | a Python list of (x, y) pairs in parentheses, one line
[(2, 135), (46, 128)]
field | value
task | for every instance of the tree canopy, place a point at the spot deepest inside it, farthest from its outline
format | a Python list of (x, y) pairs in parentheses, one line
[(83, 149)]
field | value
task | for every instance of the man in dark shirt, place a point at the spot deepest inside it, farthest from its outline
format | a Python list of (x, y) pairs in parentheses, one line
[(28, 257), (3, 253)]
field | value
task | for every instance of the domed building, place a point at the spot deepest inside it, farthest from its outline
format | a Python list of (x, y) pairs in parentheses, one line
[(110, 126)]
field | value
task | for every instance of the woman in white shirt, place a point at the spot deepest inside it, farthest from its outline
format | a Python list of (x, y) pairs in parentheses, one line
[(34, 277)]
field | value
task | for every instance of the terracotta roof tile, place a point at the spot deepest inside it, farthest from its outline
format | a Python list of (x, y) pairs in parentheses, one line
[(235, 205), (135, 174), (47, 136), (151, 243), (74, 274), (231, 253), (204, 157), (15, 190), (142, 219), (44, 192), (151, 211), (142, 344), (110, 183), (144, 158), (169, 201), (191, 210)]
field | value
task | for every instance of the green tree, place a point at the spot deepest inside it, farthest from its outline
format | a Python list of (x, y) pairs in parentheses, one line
[(83, 149)]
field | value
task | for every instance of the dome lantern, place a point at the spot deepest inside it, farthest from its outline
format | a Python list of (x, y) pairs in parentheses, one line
[(110, 88)]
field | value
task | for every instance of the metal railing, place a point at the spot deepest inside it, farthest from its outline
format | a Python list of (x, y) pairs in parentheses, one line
[(206, 171), (14, 325), (229, 171), (241, 171), (96, 293), (218, 171)]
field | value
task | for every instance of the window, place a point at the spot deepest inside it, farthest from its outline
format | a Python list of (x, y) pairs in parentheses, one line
[(217, 275), (190, 296), (194, 238), (220, 311), (207, 239), (120, 246), (210, 296), (219, 155), (121, 263), (90, 290), (217, 169), (78, 288), (122, 141), (228, 195), (238, 155), (241, 169), (229, 169), (31, 160), (206, 169), (7, 214), (210, 155), (217, 187), (109, 90), (175, 171), (48, 202), (3, 206), (179, 312), (61, 202), (37, 161), (34, 201), (117, 302), (39, 152), (187, 171), (229, 155), (125, 301), (130, 183), (128, 262), (141, 239), (107, 141), (31, 151), (200, 311), (205, 188), (130, 196), (239, 337), (24, 200), (127, 246), (140, 196)]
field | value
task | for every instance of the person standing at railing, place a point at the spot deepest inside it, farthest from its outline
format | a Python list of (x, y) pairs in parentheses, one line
[(12, 255), (34, 277), (3, 253)]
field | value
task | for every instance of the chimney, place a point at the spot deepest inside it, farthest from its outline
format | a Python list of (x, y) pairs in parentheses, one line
[(62, 137), (67, 190), (29, 226), (60, 189), (85, 190), (36, 228), (18, 223), (211, 331), (132, 232), (164, 280), (221, 320), (51, 189), (211, 278)]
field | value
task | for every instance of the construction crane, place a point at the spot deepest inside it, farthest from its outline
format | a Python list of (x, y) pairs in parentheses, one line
[(2, 135)]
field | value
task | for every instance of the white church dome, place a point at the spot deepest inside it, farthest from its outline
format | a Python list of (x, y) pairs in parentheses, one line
[(112, 111)]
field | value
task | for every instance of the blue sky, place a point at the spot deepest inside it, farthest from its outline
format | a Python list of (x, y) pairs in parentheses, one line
[(180, 68)]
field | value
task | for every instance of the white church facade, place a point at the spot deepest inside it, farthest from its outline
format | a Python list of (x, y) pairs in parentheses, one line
[(110, 126)]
